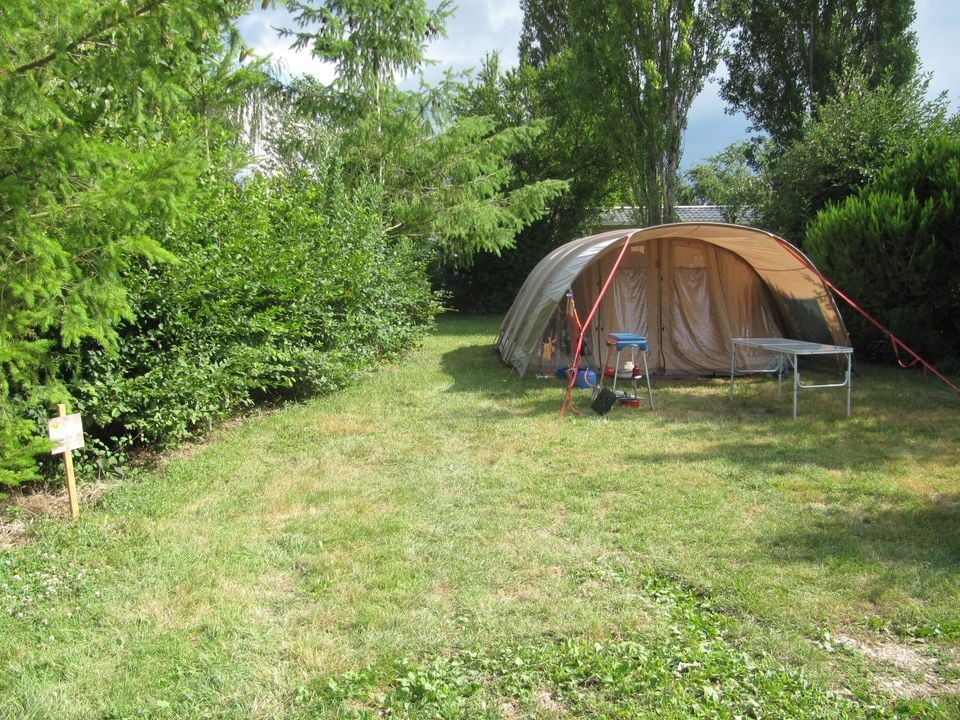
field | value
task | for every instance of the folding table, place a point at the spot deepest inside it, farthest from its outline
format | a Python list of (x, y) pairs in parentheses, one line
[(792, 350)]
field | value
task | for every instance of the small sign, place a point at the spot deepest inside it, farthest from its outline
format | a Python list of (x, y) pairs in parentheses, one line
[(66, 433)]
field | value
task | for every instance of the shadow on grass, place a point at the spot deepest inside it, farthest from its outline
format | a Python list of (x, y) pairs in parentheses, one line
[(780, 449), (895, 407), (477, 370), (925, 533), (453, 324)]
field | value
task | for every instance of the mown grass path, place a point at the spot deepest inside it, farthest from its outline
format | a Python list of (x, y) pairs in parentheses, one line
[(435, 543)]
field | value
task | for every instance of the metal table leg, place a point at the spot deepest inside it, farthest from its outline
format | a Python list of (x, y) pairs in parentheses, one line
[(796, 384), (733, 367), (646, 374), (849, 381)]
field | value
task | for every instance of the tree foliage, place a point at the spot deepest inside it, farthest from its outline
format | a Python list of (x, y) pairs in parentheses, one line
[(857, 134), (545, 32), (103, 132), (447, 179), (895, 248), (368, 42), (787, 56), (728, 179), (639, 64), (571, 146)]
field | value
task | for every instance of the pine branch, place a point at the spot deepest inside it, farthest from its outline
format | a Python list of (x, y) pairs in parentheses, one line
[(87, 36)]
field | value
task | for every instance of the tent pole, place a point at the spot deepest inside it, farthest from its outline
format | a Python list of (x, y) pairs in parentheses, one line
[(586, 324), (894, 340)]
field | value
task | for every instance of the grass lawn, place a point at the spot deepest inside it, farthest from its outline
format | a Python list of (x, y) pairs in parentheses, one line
[(435, 543)]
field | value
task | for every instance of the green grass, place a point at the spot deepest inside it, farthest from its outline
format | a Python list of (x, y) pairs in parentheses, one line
[(436, 543)]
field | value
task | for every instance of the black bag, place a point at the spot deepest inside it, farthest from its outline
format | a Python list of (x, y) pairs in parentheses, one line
[(604, 400)]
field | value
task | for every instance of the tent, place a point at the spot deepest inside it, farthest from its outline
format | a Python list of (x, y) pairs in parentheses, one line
[(688, 287)]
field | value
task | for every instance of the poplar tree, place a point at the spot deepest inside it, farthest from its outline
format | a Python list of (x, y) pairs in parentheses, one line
[(788, 56), (639, 64), (636, 66), (545, 32)]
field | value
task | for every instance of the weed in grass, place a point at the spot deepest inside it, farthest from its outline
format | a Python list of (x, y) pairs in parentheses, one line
[(34, 591), (691, 671)]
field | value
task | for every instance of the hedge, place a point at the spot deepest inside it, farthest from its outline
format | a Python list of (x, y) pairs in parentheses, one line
[(282, 288), (895, 248)]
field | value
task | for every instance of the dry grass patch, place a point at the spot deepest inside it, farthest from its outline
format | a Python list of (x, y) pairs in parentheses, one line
[(909, 672)]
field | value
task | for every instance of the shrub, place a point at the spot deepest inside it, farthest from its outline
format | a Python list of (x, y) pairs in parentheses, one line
[(895, 248), (856, 135), (285, 287), (282, 288)]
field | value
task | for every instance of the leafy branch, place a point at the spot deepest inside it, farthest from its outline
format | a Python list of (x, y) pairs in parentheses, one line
[(89, 36)]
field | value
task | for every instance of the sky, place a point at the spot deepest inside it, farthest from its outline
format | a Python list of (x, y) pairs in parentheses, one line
[(479, 27)]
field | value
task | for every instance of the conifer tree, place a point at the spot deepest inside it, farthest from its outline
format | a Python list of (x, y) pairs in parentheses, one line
[(446, 179), (101, 139)]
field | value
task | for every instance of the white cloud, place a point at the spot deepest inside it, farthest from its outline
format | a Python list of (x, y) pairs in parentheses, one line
[(295, 63), (259, 29), (504, 16), (474, 30)]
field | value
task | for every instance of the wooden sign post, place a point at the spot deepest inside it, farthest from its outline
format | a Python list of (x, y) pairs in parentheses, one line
[(66, 433)]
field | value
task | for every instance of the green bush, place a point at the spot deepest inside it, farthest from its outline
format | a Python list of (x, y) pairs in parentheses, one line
[(109, 112), (854, 138), (895, 248), (283, 287)]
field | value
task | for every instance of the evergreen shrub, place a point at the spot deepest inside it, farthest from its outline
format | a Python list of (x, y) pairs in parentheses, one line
[(894, 247)]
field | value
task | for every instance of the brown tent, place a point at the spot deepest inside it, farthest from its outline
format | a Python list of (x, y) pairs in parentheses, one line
[(688, 287)]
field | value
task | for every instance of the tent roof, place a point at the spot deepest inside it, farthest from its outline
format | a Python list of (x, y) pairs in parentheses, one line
[(804, 300)]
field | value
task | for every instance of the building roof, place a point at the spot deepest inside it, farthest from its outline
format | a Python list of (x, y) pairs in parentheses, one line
[(628, 217)]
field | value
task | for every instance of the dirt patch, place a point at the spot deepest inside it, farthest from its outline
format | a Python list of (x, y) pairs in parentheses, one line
[(947, 502), (510, 710), (548, 703), (13, 533), (49, 502), (24, 507), (346, 425), (917, 674)]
